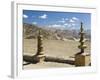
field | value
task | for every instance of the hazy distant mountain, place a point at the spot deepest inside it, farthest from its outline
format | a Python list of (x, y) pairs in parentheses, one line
[(31, 31)]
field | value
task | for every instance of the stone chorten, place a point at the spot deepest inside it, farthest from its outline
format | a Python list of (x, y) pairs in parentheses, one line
[(82, 41), (82, 58), (40, 52)]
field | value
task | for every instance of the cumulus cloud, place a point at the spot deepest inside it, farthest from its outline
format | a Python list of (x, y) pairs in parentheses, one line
[(73, 24), (75, 18), (66, 24), (69, 26), (25, 16), (63, 20), (34, 23), (71, 21), (44, 16), (57, 26)]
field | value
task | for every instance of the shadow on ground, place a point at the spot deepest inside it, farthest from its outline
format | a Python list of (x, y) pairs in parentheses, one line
[(32, 60), (59, 60), (29, 59)]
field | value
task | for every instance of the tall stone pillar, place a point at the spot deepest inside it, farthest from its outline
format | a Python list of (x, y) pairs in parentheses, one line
[(82, 41), (40, 44), (82, 58)]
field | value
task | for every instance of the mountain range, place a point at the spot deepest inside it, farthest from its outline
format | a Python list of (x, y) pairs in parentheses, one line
[(31, 31)]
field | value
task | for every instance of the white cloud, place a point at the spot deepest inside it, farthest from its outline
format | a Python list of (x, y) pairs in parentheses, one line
[(34, 23), (44, 16), (66, 24), (25, 16), (69, 26), (57, 26), (74, 18), (73, 24), (71, 21), (63, 20), (63, 26)]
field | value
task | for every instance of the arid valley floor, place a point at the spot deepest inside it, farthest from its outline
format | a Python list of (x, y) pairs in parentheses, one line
[(55, 48)]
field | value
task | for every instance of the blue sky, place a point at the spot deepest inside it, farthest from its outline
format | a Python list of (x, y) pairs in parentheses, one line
[(63, 20)]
